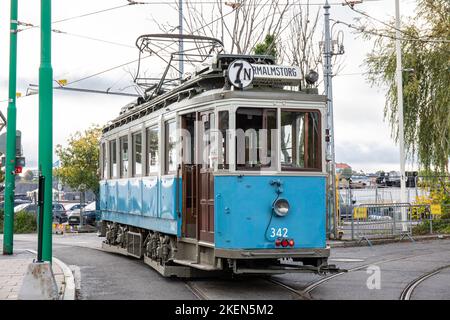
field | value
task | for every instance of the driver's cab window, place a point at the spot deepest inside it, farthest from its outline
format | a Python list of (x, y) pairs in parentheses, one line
[(255, 139)]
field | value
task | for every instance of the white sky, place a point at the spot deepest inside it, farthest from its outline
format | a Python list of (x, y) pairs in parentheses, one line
[(362, 138)]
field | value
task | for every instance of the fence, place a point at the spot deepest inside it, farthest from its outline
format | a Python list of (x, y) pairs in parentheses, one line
[(394, 220)]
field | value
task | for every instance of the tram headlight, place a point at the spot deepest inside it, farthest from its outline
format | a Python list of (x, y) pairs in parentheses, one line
[(281, 207)]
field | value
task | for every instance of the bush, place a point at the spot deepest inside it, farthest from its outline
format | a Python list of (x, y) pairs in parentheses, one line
[(24, 222), (439, 226)]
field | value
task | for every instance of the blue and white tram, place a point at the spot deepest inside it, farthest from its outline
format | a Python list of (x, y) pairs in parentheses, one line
[(214, 176)]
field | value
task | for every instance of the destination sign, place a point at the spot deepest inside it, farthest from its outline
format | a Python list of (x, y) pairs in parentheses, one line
[(276, 73), (241, 74)]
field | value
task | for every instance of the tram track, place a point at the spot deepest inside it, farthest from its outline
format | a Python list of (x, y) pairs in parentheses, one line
[(305, 292), (196, 290), (409, 289)]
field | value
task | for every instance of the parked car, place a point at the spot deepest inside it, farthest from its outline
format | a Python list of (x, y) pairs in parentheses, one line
[(59, 212), (73, 206), (16, 203), (89, 215)]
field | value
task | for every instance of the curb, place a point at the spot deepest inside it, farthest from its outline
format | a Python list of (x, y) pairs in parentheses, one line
[(69, 280), (357, 243)]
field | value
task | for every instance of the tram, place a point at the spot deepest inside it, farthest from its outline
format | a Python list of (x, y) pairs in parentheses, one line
[(223, 171)]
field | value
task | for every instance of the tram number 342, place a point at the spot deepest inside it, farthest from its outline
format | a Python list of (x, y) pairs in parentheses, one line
[(279, 232)]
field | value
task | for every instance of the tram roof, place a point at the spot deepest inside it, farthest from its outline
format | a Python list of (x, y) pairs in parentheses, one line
[(210, 83)]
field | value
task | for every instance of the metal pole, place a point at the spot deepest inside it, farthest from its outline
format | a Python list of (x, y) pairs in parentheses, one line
[(401, 136), (41, 216), (8, 227), (330, 123), (180, 22), (46, 127)]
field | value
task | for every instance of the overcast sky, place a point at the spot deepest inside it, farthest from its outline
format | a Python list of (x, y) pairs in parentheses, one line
[(362, 137)]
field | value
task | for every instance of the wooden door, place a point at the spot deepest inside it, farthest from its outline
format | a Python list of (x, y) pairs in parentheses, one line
[(189, 171), (206, 178)]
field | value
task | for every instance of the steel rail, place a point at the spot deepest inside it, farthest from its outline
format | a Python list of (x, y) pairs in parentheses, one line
[(409, 289), (316, 284)]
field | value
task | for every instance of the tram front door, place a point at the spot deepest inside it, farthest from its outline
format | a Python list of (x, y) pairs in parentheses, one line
[(206, 178), (197, 175)]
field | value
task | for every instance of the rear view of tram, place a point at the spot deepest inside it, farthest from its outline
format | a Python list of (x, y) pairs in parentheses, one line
[(221, 171)]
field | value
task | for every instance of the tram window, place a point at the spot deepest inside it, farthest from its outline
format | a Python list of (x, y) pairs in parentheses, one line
[(254, 138), (124, 157), (170, 147), (104, 158), (113, 157), (137, 154), (223, 139), (300, 140), (152, 150)]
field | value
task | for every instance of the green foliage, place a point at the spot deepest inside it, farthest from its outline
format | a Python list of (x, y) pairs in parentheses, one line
[(80, 160), (24, 222), (346, 173), (28, 175), (426, 91), (439, 226), (268, 47)]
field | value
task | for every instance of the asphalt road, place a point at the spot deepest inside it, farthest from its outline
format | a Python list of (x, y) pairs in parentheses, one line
[(387, 268)]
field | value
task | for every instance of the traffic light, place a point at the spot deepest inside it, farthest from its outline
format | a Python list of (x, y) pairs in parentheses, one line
[(20, 163)]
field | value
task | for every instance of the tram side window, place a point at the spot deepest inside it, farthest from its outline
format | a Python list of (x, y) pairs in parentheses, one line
[(137, 154), (113, 158), (170, 147), (104, 161), (300, 140), (124, 157), (223, 139), (254, 138), (152, 150)]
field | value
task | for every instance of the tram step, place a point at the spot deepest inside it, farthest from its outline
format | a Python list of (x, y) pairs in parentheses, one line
[(194, 264)]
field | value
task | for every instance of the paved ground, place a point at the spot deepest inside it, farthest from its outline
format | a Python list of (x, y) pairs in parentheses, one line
[(398, 265), (108, 276), (13, 269)]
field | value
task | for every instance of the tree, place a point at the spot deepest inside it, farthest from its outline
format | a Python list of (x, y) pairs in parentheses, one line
[(268, 47), (80, 160), (426, 94), (347, 173), (28, 175)]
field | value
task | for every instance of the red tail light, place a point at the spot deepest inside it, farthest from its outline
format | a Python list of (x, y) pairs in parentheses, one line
[(291, 242), (284, 243), (277, 242)]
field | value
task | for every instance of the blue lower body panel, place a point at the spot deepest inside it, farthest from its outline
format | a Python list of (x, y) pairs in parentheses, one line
[(147, 202), (244, 218)]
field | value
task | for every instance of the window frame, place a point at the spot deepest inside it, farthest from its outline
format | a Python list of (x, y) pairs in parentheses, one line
[(166, 123), (273, 167), (320, 144), (158, 155), (122, 174), (133, 154), (111, 163)]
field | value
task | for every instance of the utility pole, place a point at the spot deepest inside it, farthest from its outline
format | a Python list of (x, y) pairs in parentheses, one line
[(327, 70), (46, 128), (10, 166), (180, 44), (401, 135)]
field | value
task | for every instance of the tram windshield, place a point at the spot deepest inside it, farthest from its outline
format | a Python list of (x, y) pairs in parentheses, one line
[(300, 140), (256, 139), (254, 133)]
